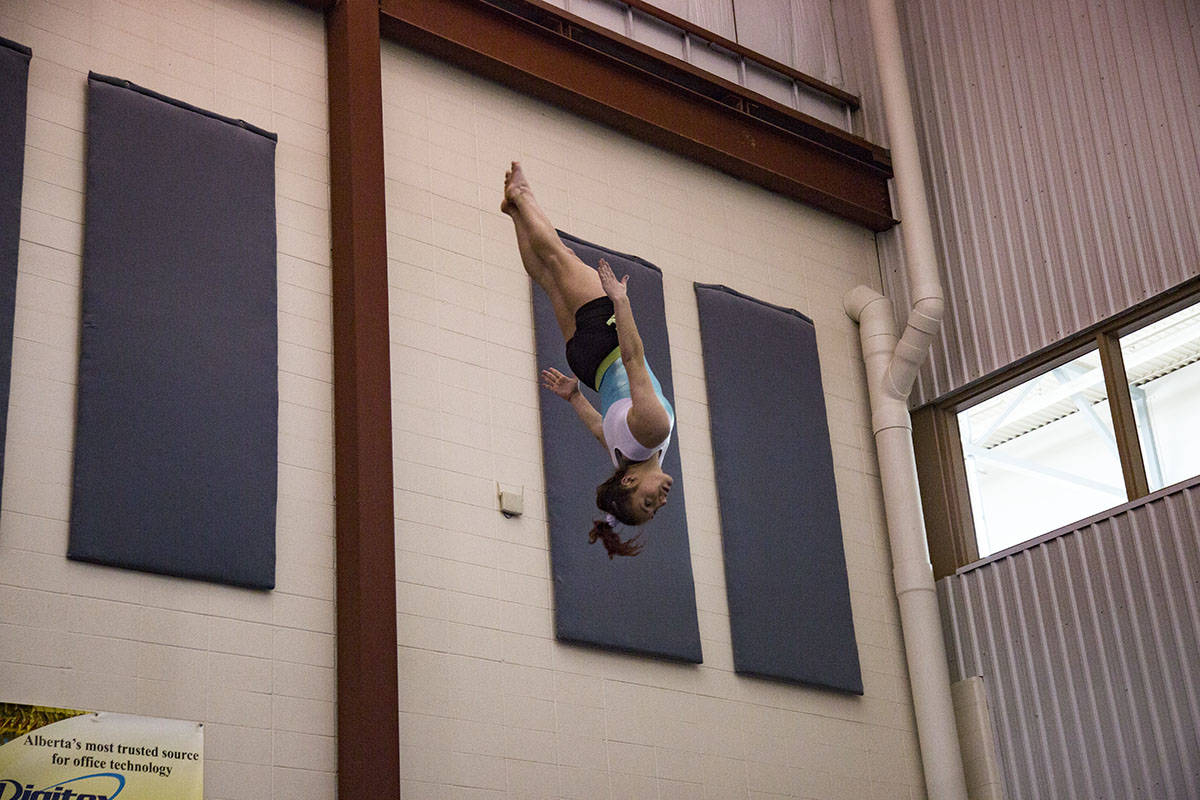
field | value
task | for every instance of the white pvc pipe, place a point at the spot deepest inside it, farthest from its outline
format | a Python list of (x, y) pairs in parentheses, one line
[(917, 232), (892, 365), (920, 620)]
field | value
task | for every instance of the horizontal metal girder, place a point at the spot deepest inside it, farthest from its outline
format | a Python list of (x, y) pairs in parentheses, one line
[(542, 51)]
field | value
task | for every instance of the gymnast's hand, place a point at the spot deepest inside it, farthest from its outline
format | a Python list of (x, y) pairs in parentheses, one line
[(562, 385), (612, 287)]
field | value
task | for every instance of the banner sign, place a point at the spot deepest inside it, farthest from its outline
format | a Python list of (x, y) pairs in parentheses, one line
[(65, 754)]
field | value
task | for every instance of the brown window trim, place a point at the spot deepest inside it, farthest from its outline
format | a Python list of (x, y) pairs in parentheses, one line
[(949, 525)]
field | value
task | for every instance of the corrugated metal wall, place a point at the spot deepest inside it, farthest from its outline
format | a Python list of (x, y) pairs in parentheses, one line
[(797, 33), (853, 36), (1089, 644), (1062, 149)]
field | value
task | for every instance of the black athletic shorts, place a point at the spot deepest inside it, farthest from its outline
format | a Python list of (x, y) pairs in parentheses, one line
[(595, 338)]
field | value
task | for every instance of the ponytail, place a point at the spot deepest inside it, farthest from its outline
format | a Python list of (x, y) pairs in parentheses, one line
[(613, 499), (607, 534)]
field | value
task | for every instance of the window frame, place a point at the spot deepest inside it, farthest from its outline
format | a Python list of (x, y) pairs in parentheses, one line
[(941, 469)]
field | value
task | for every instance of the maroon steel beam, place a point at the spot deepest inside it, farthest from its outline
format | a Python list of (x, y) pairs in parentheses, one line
[(540, 50), (368, 693)]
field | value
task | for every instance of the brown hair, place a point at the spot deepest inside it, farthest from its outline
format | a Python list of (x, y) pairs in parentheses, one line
[(614, 498), (612, 542)]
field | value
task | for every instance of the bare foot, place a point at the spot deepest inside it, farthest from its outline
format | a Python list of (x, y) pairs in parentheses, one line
[(515, 184)]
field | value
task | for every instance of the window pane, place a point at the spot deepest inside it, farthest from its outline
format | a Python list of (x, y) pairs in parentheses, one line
[(1162, 363), (1041, 455)]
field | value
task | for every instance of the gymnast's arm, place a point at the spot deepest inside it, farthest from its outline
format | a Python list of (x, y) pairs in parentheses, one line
[(648, 420), (567, 388)]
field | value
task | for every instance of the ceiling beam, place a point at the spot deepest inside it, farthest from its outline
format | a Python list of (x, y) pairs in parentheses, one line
[(540, 50)]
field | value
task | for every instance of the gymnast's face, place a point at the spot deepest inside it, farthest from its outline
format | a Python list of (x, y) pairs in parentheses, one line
[(649, 494)]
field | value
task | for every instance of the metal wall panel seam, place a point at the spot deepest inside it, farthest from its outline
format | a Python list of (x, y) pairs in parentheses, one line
[(1051, 135), (1142, 604), (1192, 634), (1169, 183), (1053, 552), (1125, 131), (829, 55), (989, 203), (1016, 726), (1152, 667), (1192, 559), (1147, 88), (1126, 709), (1167, 642), (983, 650), (1173, 573), (1051, 708), (947, 203), (979, 297), (1055, 241), (1085, 130), (990, 130), (952, 202), (1031, 180), (1025, 669), (1185, 709), (1087, 666), (1105, 123), (1128, 245), (1177, 123), (1014, 191), (1077, 63), (1190, 117)]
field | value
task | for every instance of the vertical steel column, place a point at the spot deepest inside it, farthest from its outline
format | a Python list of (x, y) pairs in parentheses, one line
[(368, 696)]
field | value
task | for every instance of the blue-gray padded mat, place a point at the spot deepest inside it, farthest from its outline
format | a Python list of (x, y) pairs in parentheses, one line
[(176, 446), (14, 80), (785, 567), (645, 604)]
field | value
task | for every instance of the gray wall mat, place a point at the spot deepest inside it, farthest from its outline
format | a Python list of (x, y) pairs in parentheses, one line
[(645, 604), (176, 451), (785, 566), (14, 81)]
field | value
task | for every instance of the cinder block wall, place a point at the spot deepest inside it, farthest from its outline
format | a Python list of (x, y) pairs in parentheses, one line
[(491, 705), (257, 668)]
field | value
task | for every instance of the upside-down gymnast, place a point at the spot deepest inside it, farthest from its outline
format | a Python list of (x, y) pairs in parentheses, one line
[(605, 351)]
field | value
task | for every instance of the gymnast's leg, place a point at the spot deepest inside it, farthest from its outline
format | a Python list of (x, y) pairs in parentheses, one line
[(567, 281)]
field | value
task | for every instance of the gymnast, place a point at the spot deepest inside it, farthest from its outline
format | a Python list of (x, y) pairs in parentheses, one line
[(605, 351)]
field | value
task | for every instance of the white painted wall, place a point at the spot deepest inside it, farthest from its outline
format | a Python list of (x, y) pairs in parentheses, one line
[(257, 668), (491, 705)]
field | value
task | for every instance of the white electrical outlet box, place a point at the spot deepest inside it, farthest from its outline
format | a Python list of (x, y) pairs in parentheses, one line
[(512, 504)]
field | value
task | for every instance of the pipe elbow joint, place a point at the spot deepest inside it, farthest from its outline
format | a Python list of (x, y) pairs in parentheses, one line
[(927, 313), (857, 299)]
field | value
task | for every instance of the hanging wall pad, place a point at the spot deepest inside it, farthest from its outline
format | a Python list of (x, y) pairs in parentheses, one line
[(785, 567), (14, 80), (176, 447), (645, 604)]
